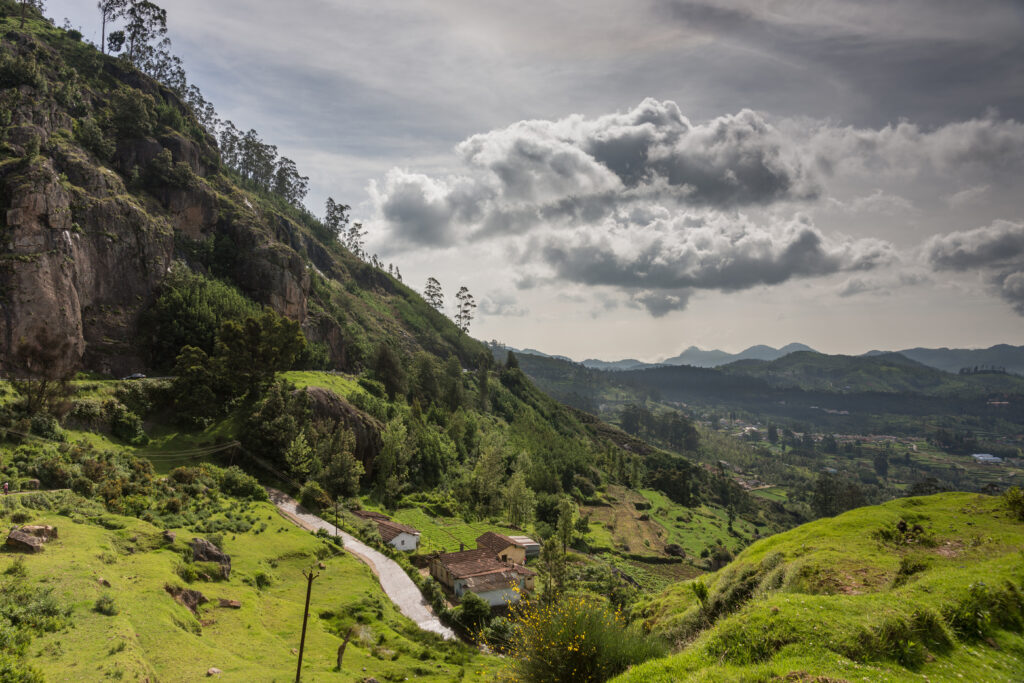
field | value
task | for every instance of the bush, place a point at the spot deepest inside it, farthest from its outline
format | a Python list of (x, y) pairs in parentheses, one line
[(576, 639), (91, 137), (312, 496), (105, 605), (1014, 499), (236, 483)]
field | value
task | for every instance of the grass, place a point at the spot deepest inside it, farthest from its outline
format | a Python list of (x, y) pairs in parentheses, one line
[(857, 598), (148, 634), (444, 534)]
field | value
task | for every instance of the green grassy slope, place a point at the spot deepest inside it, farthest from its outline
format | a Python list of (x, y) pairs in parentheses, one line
[(855, 597), (153, 637)]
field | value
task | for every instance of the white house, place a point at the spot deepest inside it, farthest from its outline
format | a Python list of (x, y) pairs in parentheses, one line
[(398, 535)]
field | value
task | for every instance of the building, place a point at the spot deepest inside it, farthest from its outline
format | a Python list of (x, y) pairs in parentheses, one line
[(502, 547), (400, 536), (532, 547), (498, 582), (987, 458)]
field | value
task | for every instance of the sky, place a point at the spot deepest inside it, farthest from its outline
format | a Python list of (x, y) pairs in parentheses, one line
[(626, 178)]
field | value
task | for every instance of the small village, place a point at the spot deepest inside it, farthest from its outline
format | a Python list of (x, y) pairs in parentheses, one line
[(495, 570)]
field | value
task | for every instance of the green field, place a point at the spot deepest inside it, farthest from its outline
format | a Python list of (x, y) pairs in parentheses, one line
[(444, 534)]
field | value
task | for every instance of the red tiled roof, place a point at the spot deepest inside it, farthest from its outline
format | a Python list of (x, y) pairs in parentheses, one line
[(369, 514), (389, 530), (495, 543), (470, 563)]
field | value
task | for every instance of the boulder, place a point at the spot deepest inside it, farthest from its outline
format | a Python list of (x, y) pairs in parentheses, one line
[(228, 603), (213, 671), (186, 596), (26, 543), (43, 531), (204, 551), (169, 536), (103, 582)]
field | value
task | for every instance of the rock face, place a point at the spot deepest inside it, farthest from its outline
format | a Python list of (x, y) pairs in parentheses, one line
[(23, 542), (91, 223), (187, 597), (327, 405), (204, 551)]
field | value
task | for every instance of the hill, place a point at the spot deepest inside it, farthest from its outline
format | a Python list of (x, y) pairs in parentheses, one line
[(919, 588), (884, 373), (1005, 356)]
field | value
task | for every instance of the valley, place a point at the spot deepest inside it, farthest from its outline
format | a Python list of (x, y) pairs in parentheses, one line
[(236, 445)]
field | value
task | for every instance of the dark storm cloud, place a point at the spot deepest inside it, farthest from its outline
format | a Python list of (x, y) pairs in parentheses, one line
[(663, 264), (930, 61), (995, 251)]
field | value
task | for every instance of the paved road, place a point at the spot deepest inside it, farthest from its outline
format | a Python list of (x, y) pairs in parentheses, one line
[(395, 582)]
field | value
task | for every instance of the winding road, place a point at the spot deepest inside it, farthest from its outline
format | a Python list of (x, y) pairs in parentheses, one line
[(395, 582)]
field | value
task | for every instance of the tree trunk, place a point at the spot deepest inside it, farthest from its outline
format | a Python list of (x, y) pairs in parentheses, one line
[(341, 648)]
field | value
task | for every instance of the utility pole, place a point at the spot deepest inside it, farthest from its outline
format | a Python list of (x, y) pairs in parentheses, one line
[(305, 617)]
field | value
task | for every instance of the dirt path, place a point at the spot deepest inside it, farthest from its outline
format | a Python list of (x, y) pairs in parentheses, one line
[(395, 582)]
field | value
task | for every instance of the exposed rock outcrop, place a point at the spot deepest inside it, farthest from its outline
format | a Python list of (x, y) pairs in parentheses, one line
[(204, 551), (187, 597), (327, 405)]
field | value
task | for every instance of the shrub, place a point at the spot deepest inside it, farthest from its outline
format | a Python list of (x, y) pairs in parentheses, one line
[(576, 639), (105, 605), (92, 137), (236, 483), (312, 496), (1014, 499), (132, 113)]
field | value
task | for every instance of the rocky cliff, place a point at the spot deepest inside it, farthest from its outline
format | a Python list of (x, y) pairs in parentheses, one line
[(106, 180)]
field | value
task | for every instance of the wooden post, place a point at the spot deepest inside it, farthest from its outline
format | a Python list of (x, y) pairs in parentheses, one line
[(305, 617)]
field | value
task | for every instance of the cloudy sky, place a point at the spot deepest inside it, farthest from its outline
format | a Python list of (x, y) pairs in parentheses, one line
[(625, 178)]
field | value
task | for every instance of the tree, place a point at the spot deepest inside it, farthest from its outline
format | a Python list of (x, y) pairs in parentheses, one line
[(464, 309), (338, 470), (252, 351), (881, 463), (566, 521), (773, 433), (38, 372), (193, 388), (433, 295), (336, 217), (520, 501), (39, 5), (354, 240), (110, 10), (288, 183), (299, 457), (388, 370), (145, 32), (483, 392)]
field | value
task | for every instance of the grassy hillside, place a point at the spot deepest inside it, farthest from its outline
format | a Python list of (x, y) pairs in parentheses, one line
[(150, 636), (925, 588)]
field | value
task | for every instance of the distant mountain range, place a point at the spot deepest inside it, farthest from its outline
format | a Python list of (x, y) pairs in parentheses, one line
[(1005, 356)]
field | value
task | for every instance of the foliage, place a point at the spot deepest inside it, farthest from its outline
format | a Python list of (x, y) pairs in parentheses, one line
[(106, 605), (576, 639), (190, 310), (1014, 499)]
